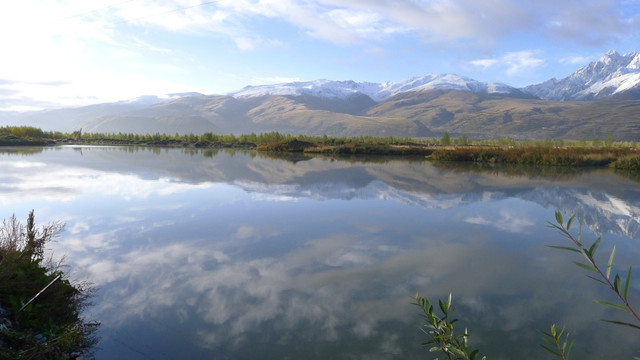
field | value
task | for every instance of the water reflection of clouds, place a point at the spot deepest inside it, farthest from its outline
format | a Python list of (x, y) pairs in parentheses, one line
[(22, 164), (238, 276), (257, 233), (503, 220), (240, 294), (322, 287), (318, 285), (67, 184)]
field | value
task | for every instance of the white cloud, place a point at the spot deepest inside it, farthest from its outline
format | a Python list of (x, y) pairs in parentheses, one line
[(485, 63), (594, 22), (521, 61), (514, 63), (273, 80), (89, 46), (578, 60)]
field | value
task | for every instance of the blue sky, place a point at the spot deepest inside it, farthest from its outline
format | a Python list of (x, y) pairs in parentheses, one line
[(78, 52)]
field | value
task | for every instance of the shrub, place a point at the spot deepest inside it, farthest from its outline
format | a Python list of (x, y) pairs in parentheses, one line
[(43, 306)]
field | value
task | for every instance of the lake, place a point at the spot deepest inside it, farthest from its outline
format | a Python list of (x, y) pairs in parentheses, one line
[(205, 254)]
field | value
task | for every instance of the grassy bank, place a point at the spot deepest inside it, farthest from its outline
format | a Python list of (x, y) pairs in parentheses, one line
[(619, 155), (40, 316)]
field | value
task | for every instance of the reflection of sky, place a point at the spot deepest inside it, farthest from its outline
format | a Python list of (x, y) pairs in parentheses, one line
[(230, 269)]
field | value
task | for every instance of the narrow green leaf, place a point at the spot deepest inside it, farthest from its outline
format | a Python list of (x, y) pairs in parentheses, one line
[(564, 248), (579, 239), (457, 351), (443, 306), (593, 248), (626, 284), (596, 279), (551, 350), (586, 267), (570, 347), (622, 323), (587, 255), (559, 218), (613, 305), (610, 263), (616, 283), (549, 341), (554, 226), (473, 355), (570, 222)]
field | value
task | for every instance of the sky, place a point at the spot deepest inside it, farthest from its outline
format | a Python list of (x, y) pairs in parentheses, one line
[(57, 53)]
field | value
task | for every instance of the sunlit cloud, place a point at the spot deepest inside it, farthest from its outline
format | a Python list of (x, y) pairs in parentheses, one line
[(256, 43), (90, 49), (575, 60), (514, 63), (273, 80)]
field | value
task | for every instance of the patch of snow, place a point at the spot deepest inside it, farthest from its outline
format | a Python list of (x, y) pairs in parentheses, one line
[(376, 91), (611, 74)]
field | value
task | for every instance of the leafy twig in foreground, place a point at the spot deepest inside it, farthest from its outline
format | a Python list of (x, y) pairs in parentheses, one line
[(603, 277)]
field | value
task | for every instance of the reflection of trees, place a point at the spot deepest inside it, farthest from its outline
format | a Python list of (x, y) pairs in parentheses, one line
[(629, 174), (22, 150), (550, 172)]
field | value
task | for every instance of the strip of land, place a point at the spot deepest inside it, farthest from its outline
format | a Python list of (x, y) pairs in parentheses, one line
[(619, 155)]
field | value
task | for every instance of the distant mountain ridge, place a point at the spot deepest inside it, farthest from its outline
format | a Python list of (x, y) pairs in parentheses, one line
[(612, 76), (597, 100), (376, 91)]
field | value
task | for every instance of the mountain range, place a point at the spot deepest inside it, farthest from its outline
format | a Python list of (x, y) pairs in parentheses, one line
[(600, 99)]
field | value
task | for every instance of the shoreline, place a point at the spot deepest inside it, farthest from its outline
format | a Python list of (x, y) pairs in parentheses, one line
[(622, 158)]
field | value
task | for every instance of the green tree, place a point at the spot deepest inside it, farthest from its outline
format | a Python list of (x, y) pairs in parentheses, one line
[(463, 140), (445, 140), (609, 140)]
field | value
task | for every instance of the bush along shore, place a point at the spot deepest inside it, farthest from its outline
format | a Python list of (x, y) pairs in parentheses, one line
[(40, 308), (617, 157), (577, 153)]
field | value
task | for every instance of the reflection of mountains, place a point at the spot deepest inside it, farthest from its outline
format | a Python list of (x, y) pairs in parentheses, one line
[(601, 199), (604, 201), (600, 210)]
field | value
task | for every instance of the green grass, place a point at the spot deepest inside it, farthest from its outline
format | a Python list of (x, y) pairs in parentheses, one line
[(536, 155)]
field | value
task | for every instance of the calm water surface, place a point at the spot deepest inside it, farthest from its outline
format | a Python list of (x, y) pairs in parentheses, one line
[(237, 255)]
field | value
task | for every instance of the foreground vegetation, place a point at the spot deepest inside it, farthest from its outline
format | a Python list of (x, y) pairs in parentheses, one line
[(595, 152), (443, 338), (40, 308)]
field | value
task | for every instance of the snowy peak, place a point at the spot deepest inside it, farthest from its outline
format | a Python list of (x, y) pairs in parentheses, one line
[(613, 75), (376, 91), (319, 88), (440, 81)]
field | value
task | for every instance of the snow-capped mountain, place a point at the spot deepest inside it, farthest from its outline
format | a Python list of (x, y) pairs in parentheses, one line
[(376, 91), (613, 75)]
